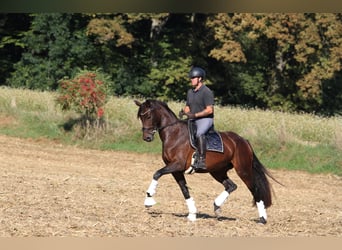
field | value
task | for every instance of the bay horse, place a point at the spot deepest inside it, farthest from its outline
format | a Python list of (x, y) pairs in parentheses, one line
[(177, 152)]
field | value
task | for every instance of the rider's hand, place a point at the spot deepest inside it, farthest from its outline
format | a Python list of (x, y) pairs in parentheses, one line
[(190, 115), (181, 113)]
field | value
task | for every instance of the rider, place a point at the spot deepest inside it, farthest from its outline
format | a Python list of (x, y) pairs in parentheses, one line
[(199, 107)]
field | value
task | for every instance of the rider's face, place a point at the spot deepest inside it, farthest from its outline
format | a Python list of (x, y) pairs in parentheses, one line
[(195, 81)]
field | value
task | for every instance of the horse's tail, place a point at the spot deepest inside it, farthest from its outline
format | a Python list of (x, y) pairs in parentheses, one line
[(261, 188)]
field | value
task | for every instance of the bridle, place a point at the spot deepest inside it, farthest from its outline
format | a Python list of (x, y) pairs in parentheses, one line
[(152, 130)]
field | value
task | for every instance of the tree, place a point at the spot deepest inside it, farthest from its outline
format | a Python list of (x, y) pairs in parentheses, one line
[(297, 54), (121, 41), (53, 46), (288, 62), (12, 27), (145, 55)]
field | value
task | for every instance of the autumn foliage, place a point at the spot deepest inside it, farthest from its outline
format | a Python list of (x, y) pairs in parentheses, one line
[(86, 94)]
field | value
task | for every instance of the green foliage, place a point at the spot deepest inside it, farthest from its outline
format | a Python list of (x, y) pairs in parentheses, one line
[(300, 157), (53, 46), (278, 61), (169, 78), (12, 27)]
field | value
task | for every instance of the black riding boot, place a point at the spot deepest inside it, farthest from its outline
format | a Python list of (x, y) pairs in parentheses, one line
[(202, 149)]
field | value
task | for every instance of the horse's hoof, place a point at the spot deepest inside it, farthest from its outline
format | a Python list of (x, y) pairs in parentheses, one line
[(192, 217), (217, 210), (262, 220), (149, 202)]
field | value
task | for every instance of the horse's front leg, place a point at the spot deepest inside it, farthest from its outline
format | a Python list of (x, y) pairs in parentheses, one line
[(149, 200), (177, 173), (180, 179)]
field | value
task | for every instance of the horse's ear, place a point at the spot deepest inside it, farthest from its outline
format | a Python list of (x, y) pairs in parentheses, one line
[(137, 103)]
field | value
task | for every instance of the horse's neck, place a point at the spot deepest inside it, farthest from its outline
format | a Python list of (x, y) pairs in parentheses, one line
[(174, 130), (171, 127), (166, 118)]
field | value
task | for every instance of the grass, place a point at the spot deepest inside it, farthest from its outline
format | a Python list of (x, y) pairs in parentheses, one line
[(281, 140)]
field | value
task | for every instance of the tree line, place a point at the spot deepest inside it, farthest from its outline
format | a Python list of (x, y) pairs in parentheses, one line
[(279, 61)]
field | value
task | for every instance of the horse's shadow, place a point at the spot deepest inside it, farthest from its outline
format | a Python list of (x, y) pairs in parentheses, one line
[(203, 216)]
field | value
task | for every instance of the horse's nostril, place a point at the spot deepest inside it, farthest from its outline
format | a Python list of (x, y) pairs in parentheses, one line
[(148, 139)]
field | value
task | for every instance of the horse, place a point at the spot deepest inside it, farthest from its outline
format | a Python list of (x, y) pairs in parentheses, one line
[(177, 154)]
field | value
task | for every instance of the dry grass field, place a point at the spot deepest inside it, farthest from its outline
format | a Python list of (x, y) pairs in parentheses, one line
[(47, 189)]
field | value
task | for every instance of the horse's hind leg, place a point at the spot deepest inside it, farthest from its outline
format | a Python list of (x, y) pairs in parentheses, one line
[(253, 174), (229, 187)]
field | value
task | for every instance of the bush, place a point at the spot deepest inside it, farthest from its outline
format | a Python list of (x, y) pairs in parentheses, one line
[(86, 93)]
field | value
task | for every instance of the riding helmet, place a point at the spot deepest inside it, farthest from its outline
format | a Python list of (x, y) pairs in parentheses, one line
[(197, 72)]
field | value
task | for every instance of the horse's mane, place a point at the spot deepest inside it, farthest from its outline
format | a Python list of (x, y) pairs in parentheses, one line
[(154, 104)]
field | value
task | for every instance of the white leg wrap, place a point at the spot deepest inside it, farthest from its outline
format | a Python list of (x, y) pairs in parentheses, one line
[(152, 188), (149, 202), (261, 209), (192, 209), (221, 198)]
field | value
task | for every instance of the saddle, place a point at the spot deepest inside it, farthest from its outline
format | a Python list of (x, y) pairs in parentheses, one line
[(213, 138)]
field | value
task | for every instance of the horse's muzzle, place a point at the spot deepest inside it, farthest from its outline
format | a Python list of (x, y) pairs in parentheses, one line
[(148, 138), (148, 134)]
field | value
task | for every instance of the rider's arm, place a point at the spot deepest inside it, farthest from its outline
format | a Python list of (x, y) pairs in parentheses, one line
[(207, 111)]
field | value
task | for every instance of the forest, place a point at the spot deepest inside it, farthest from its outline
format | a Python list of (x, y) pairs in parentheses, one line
[(289, 62)]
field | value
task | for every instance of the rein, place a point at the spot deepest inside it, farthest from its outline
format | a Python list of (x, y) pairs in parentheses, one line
[(155, 129), (169, 125)]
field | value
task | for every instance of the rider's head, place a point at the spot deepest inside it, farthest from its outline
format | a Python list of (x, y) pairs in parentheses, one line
[(197, 72)]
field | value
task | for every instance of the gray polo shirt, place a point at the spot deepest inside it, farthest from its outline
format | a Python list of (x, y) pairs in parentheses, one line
[(200, 99)]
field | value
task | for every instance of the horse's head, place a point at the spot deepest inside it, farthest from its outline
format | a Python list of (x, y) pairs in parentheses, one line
[(155, 116), (148, 119)]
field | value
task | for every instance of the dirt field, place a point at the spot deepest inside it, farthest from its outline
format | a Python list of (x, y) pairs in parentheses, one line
[(47, 189)]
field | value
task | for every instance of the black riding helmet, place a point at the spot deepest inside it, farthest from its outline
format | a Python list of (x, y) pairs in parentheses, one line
[(197, 72)]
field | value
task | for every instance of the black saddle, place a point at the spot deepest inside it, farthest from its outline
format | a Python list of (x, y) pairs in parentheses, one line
[(213, 138)]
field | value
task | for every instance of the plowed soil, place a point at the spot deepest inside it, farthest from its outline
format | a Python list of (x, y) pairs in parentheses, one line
[(47, 189)]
